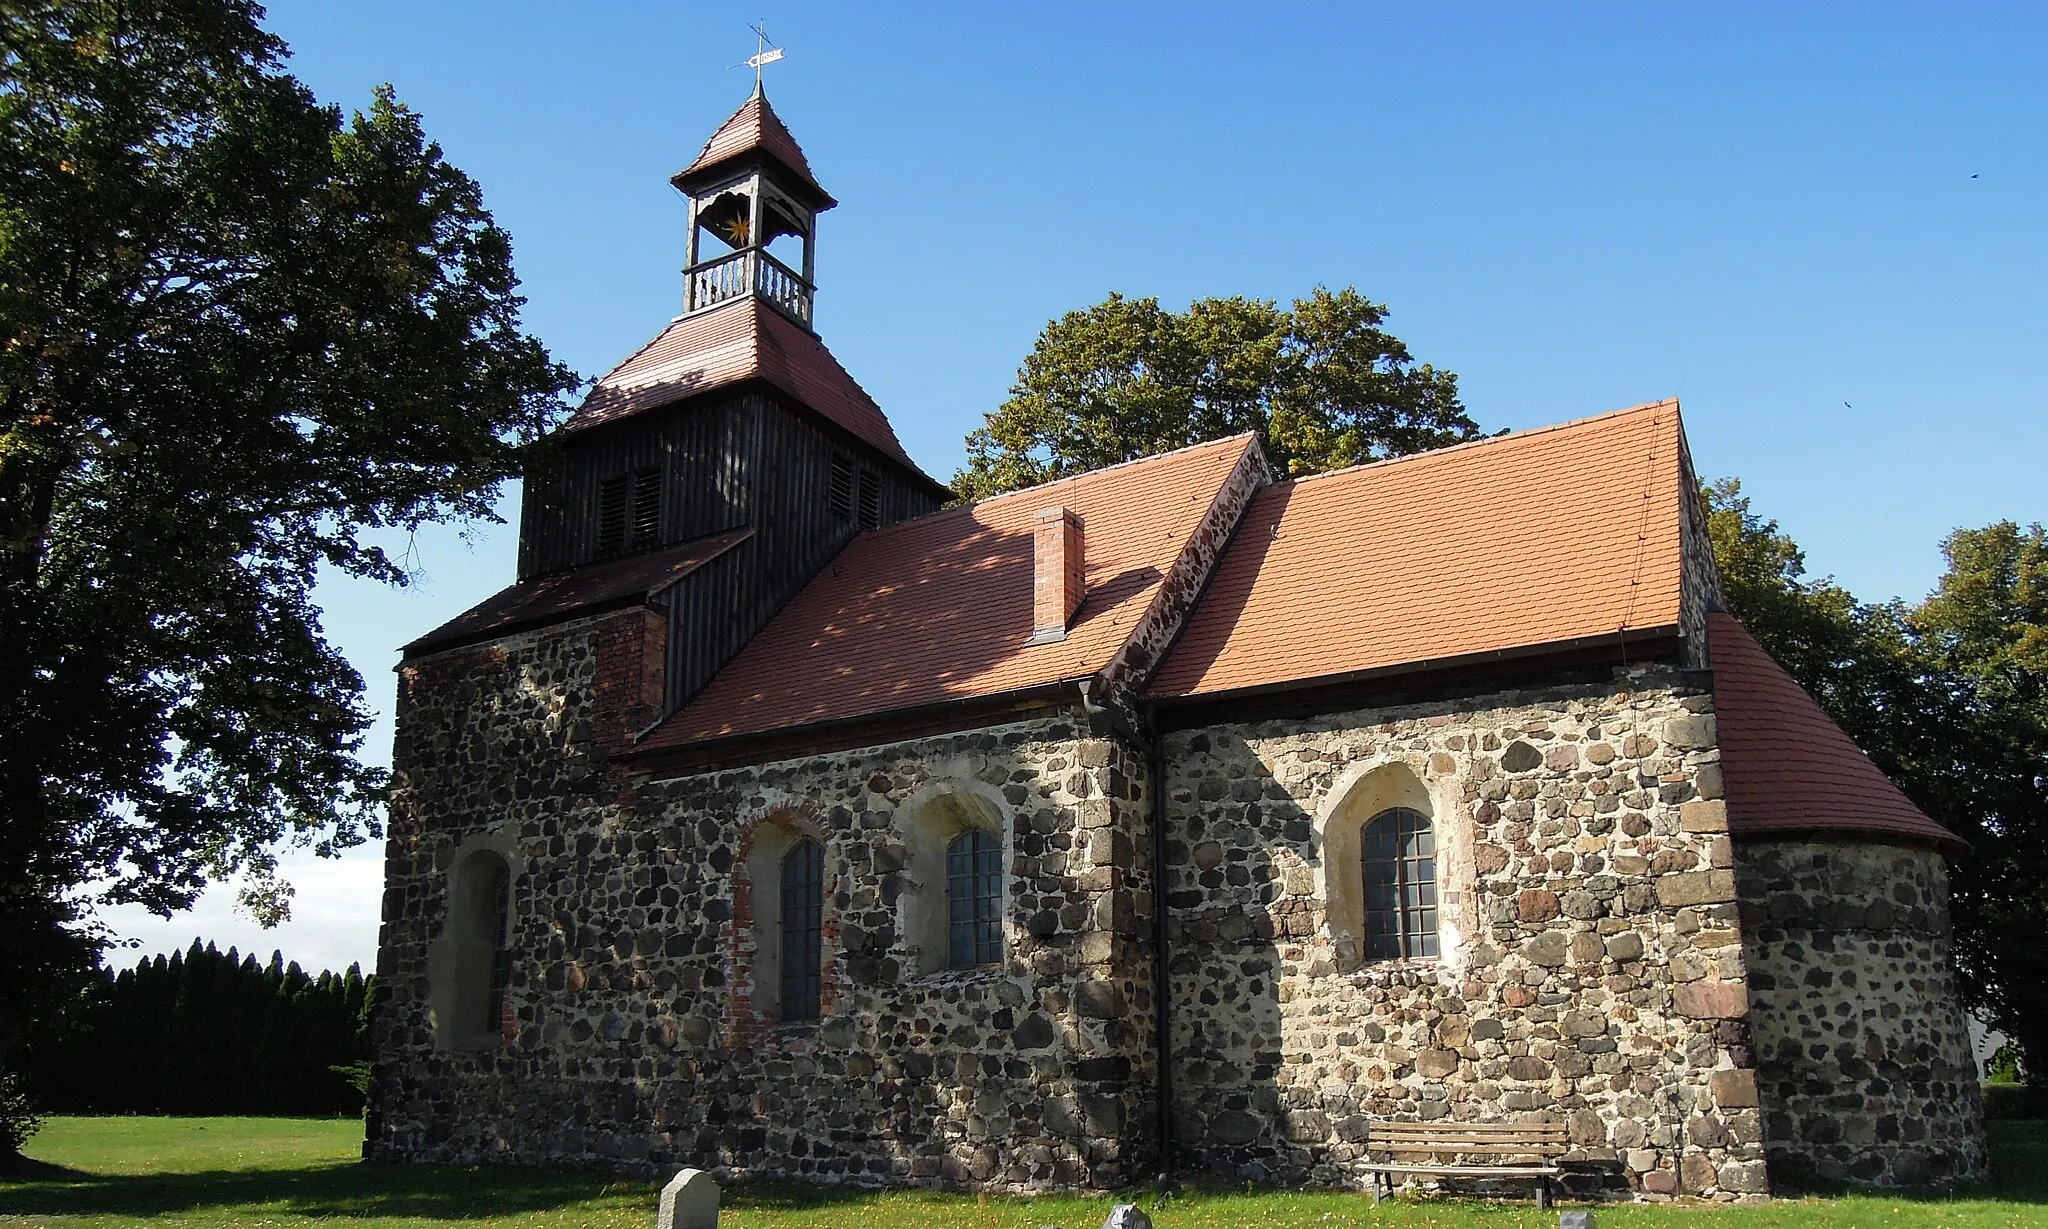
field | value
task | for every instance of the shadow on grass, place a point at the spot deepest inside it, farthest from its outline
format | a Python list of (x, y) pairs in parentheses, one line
[(468, 1192), (29, 1169), (427, 1192), (2019, 1172), (423, 1192)]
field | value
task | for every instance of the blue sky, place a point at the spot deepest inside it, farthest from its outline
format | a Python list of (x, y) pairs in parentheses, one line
[(1824, 227)]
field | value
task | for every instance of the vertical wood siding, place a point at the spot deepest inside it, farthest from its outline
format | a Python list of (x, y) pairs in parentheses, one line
[(756, 459)]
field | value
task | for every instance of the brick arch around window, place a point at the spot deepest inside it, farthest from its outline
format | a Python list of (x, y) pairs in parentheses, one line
[(1394, 792), (933, 916), (470, 965), (759, 921)]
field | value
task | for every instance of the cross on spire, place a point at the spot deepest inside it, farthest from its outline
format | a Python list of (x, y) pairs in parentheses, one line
[(765, 52)]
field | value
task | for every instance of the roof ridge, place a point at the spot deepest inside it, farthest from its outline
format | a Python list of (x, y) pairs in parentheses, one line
[(1467, 445), (960, 509), (1116, 465)]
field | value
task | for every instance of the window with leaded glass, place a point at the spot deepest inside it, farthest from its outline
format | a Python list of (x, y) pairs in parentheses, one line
[(974, 899), (500, 904), (803, 929), (1399, 857)]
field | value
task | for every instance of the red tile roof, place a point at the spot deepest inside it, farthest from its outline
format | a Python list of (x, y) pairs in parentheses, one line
[(940, 608), (562, 595), (740, 340), (1543, 536), (1786, 767), (755, 126)]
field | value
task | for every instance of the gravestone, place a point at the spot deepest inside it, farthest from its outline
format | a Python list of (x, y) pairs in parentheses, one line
[(689, 1201), (1127, 1216), (1575, 1220)]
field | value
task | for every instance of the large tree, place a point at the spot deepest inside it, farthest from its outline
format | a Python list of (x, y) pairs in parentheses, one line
[(1321, 382), (1986, 627), (1949, 697), (236, 331)]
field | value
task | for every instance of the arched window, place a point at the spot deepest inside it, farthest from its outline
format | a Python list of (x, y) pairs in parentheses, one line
[(950, 910), (498, 902), (974, 899), (469, 968), (1399, 858), (803, 929)]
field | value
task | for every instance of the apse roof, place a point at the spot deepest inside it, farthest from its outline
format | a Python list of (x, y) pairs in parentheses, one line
[(739, 340), (940, 608), (754, 127), (1786, 766), (1545, 536)]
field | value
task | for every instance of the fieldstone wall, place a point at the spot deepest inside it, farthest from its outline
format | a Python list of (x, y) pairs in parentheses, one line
[(1592, 965), (1595, 968), (634, 1037), (1863, 1049), (1699, 575)]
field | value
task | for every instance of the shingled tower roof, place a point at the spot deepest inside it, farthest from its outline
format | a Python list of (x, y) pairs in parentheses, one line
[(753, 130)]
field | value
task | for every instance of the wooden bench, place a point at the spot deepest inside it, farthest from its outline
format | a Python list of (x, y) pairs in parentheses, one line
[(1465, 1150)]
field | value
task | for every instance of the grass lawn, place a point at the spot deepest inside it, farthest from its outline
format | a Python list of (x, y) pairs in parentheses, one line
[(222, 1172)]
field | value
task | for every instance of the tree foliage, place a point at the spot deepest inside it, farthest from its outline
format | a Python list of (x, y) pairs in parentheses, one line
[(1950, 698), (237, 332), (207, 1033), (1986, 628), (1321, 382)]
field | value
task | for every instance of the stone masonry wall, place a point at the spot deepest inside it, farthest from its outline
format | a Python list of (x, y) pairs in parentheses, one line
[(1592, 967), (1595, 969), (634, 1040), (1699, 576), (1865, 1061)]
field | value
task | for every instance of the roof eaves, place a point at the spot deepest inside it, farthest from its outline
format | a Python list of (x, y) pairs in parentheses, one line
[(1619, 640), (845, 733)]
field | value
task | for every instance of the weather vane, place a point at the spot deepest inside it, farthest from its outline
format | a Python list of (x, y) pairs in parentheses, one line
[(765, 52)]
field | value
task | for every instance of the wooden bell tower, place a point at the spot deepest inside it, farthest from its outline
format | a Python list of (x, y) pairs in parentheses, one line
[(754, 210)]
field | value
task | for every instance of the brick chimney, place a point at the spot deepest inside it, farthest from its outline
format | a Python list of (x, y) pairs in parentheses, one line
[(1057, 559)]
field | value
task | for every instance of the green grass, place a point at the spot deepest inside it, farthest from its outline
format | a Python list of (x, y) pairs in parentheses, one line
[(283, 1173)]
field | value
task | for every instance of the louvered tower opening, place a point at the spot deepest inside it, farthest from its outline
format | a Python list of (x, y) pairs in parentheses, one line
[(629, 512), (870, 498), (841, 494)]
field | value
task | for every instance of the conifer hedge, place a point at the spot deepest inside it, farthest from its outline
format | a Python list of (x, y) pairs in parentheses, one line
[(204, 1032)]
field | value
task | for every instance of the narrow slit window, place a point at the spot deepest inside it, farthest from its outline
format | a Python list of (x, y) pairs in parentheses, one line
[(870, 498), (803, 930), (1400, 885), (974, 898), (841, 494)]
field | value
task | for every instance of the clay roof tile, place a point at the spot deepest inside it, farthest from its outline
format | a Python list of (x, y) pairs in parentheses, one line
[(940, 608), (580, 591), (1542, 536), (754, 128), (1786, 767), (739, 340)]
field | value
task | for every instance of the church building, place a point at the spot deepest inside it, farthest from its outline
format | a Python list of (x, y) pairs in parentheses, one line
[(783, 819)]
